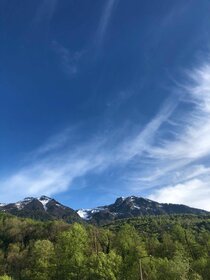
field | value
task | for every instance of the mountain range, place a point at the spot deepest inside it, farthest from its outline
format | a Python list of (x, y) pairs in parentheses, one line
[(46, 208)]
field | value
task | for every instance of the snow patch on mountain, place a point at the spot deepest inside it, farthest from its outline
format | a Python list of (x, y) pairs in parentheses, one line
[(84, 214), (137, 207), (44, 201), (22, 203)]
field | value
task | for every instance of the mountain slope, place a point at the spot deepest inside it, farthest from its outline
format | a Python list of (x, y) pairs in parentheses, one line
[(134, 207), (42, 208)]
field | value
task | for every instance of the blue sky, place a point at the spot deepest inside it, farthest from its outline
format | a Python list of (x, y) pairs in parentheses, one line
[(106, 98)]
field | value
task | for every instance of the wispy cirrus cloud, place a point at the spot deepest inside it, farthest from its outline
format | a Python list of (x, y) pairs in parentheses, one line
[(52, 170), (168, 158), (105, 19), (142, 142), (192, 130), (69, 61), (183, 160), (53, 167)]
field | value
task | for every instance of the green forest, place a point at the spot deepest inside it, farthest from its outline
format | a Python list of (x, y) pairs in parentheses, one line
[(149, 248)]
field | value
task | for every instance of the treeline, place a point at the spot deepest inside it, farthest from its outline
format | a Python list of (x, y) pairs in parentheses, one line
[(149, 248)]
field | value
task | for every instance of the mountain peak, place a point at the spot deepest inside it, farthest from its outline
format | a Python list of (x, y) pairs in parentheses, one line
[(28, 198), (133, 206), (44, 197), (44, 201), (41, 208), (119, 200)]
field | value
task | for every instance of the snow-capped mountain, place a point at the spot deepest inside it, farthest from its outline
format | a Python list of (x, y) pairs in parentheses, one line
[(133, 206), (46, 208), (41, 208)]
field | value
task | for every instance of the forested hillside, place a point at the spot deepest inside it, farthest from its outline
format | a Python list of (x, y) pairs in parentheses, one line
[(152, 247)]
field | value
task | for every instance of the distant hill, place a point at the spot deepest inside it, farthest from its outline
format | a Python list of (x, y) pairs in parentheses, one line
[(45, 208), (158, 224)]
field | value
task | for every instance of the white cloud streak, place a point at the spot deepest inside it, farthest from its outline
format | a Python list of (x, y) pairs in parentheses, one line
[(193, 139), (55, 165), (170, 154), (52, 173), (105, 19), (142, 142), (176, 159)]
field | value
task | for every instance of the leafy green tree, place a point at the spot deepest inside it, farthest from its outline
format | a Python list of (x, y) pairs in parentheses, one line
[(130, 246), (71, 253), (42, 261), (104, 266), (207, 270), (2, 262), (177, 268), (5, 277), (153, 246), (16, 256), (168, 246)]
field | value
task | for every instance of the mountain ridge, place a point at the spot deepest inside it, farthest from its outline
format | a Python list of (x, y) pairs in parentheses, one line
[(46, 208), (133, 206)]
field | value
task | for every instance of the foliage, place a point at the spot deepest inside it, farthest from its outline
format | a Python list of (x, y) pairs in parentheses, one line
[(5, 277), (153, 247)]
